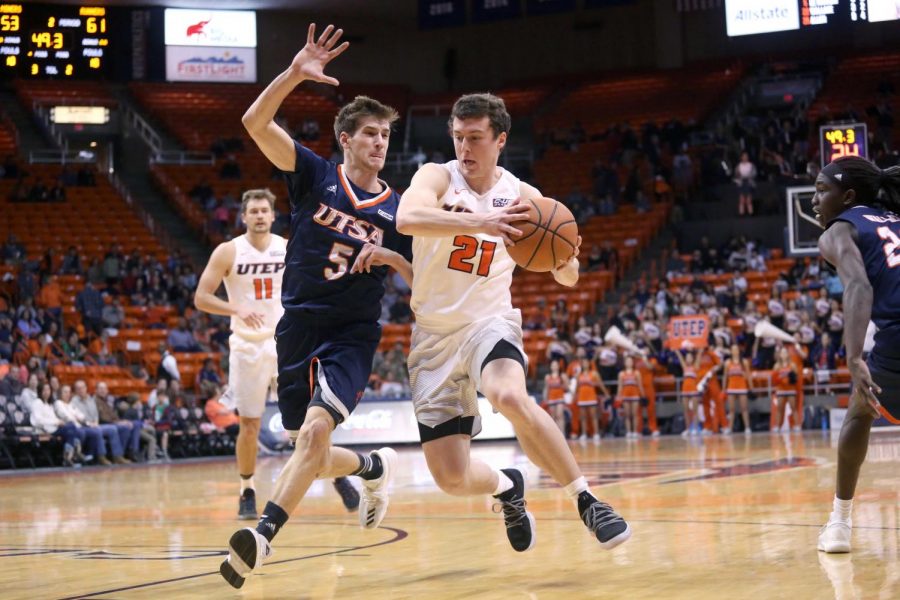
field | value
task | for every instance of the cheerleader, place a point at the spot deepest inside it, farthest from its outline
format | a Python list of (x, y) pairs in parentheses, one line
[(631, 390), (587, 384), (736, 381), (785, 379), (555, 385), (690, 394)]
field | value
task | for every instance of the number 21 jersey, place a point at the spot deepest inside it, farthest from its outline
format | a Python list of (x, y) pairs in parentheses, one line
[(464, 278)]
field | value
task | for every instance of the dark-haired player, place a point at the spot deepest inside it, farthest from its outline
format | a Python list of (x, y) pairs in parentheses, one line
[(342, 234), (858, 204), (468, 336)]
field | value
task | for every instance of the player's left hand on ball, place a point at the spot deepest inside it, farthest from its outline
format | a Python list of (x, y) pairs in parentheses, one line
[(371, 256)]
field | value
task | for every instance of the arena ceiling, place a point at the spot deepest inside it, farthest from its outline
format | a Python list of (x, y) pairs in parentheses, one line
[(405, 9)]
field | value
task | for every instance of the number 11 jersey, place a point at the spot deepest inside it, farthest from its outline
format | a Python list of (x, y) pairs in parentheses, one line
[(465, 278), (254, 280), (331, 220)]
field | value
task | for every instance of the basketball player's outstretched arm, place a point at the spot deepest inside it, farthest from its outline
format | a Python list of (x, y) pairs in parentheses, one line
[(205, 297), (420, 213), (374, 256), (839, 248), (309, 64)]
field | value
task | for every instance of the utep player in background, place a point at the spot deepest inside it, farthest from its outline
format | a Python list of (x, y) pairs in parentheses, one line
[(468, 336), (341, 215), (251, 267), (862, 240)]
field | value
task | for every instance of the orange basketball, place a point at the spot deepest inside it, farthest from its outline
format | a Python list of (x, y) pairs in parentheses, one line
[(548, 236)]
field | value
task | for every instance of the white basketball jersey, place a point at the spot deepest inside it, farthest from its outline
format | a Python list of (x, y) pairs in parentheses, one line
[(255, 280), (464, 278)]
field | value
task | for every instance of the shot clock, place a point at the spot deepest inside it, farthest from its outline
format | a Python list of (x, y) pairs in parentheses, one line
[(842, 139), (54, 41)]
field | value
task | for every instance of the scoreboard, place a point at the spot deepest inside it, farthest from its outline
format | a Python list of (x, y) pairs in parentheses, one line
[(745, 17), (842, 139), (54, 41)]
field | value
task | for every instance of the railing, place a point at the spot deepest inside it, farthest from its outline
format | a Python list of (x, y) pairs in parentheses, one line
[(61, 157), (144, 129), (406, 161), (146, 218), (43, 115), (182, 157)]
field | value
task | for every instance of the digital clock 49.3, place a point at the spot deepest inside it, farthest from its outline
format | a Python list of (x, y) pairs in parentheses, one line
[(842, 139)]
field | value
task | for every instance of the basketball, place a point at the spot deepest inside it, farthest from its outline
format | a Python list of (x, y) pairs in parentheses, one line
[(548, 236)]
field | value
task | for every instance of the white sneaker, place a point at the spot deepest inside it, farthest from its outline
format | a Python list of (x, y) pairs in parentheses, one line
[(748, 431), (686, 433), (374, 501), (655, 433), (834, 537), (726, 431), (596, 438), (797, 429), (705, 432), (247, 550), (775, 430)]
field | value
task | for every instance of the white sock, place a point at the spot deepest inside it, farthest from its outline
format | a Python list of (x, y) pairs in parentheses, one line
[(247, 484), (841, 509), (504, 483), (576, 487)]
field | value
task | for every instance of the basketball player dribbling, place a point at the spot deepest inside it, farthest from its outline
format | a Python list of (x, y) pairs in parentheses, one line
[(251, 267), (858, 204), (341, 215), (468, 336)]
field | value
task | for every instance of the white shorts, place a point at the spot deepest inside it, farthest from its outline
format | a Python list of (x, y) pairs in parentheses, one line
[(445, 368), (252, 369)]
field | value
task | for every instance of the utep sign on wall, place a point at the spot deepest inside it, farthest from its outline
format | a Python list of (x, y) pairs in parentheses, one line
[(210, 45), (693, 329)]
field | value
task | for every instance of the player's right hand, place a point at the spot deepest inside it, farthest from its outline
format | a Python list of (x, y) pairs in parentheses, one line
[(252, 319), (500, 222), (309, 64), (864, 389)]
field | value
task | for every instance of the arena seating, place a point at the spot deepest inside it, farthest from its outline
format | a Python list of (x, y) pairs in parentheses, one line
[(199, 114), (866, 73), (52, 91), (92, 219)]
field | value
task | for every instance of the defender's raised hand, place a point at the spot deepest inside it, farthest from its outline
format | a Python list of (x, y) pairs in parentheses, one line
[(311, 60)]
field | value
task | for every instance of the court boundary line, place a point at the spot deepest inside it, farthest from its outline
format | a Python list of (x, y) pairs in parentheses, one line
[(399, 535)]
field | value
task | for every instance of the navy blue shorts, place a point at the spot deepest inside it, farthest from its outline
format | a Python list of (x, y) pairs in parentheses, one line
[(322, 364), (886, 373)]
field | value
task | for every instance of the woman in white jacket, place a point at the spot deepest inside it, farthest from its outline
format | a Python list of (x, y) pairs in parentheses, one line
[(44, 420), (69, 413)]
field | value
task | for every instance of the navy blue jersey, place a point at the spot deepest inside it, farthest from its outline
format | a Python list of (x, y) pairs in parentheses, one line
[(878, 239), (331, 219)]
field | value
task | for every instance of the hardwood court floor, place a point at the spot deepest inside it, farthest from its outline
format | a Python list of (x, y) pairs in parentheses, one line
[(712, 518)]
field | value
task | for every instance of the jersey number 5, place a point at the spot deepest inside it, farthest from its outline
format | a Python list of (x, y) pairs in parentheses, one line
[(340, 257), (263, 288), (891, 247), (467, 249)]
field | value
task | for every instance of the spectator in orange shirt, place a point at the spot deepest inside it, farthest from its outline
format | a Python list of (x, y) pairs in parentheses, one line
[(50, 297), (224, 418)]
